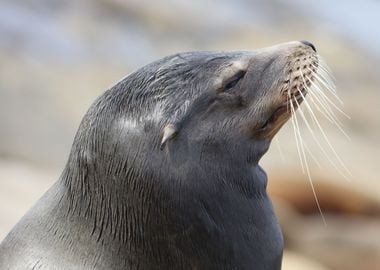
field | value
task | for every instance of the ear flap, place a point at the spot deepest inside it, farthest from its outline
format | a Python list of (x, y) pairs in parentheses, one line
[(169, 132)]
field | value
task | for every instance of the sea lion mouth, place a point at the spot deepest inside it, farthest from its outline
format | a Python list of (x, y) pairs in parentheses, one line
[(293, 97), (301, 70), (283, 112)]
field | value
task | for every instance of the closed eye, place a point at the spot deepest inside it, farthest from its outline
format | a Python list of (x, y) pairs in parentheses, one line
[(232, 82)]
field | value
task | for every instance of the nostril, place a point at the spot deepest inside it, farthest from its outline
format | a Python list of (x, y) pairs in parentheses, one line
[(309, 44)]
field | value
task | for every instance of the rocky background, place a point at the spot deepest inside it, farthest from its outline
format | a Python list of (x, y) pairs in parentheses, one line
[(57, 56)]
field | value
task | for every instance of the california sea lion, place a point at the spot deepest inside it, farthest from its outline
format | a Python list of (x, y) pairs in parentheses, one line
[(163, 172)]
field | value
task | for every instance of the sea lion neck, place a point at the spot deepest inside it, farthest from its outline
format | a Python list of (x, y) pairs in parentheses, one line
[(221, 150), (216, 162)]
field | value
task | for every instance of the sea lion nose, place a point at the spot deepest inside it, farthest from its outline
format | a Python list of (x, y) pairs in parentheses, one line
[(309, 44)]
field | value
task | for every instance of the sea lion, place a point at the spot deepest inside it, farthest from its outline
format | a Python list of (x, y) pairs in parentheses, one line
[(163, 172)]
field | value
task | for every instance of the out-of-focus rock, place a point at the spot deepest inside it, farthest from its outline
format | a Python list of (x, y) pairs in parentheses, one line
[(294, 261), (349, 240), (333, 197), (348, 243)]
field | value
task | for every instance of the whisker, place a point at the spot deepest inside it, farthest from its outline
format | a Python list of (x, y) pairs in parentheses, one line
[(325, 79), (330, 115), (325, 110), (312, 156), (324, 66), (323, 95), (320, 98), (329, 88), (295, 128), (326, 139), (325, 75), (307, 167)]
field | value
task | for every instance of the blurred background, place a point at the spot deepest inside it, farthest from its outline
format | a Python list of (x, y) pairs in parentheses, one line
[(57, 56)]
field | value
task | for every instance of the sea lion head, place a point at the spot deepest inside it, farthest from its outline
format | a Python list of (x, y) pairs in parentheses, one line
[(194, 109), (235, 100)]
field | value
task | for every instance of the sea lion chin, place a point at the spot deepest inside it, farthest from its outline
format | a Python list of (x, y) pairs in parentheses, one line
[(163, 172)]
